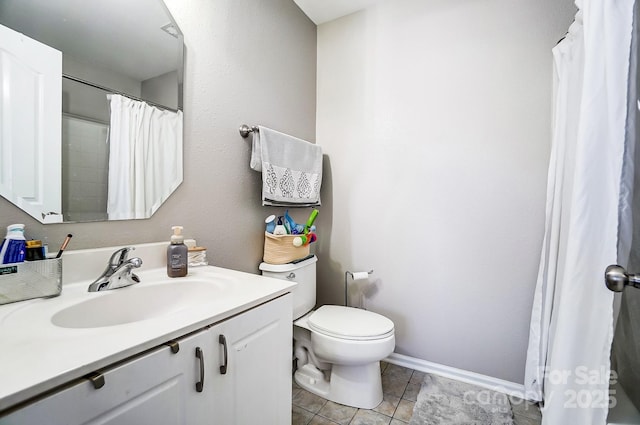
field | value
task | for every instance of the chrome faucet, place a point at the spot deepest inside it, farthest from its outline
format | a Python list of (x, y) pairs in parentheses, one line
[(118, 272)]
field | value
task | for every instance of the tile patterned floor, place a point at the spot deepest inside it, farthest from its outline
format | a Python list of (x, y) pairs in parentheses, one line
[(525, 412), (400, 387)]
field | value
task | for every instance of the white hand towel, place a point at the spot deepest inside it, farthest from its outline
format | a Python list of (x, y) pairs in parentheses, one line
[(291, 168)]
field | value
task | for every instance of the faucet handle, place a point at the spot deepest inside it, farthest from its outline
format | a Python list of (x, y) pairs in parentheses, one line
[(134, 262), (120, 256)]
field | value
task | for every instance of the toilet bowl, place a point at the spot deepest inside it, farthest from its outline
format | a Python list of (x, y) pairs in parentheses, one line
[(346, 344), (337, 350)]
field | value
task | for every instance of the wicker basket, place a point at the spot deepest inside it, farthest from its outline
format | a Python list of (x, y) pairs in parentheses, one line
[(279, 249)]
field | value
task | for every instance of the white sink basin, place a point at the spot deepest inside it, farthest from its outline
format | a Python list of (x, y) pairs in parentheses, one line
[(136, 303)]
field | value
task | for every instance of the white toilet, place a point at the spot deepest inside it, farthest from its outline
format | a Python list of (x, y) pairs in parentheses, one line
[(338, 349)]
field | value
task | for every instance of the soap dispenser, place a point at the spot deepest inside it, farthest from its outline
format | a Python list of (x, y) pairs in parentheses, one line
[(177, 254)]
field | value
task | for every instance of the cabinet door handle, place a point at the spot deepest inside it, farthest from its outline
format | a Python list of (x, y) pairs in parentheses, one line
[(200, 356), (222, 340)]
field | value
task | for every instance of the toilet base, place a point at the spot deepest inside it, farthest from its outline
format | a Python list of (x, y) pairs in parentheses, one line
[(356, 386)]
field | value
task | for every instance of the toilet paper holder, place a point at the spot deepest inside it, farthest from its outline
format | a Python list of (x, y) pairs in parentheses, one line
[(354, 276)]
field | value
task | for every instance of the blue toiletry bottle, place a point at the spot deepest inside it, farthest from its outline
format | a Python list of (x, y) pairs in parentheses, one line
[(292, 227), (270, 223), (13, 249)]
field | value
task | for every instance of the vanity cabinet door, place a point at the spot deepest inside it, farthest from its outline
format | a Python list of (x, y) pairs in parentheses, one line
[(255, 386), (198, 357), (149, 389)]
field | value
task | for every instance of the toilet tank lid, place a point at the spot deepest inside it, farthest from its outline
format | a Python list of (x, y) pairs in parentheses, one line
[(279, 268)]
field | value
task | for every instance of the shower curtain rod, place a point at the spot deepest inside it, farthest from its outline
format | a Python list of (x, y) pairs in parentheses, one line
[(111, 91)]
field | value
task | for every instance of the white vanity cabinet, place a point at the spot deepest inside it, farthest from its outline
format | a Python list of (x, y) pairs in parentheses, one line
[(146, 390), (255, 388), (161, 386)]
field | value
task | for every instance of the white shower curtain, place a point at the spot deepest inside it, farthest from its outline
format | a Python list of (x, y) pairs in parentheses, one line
[(145, 157), (571, 326)]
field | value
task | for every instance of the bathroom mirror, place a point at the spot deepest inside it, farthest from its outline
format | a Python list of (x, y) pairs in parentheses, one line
[(122, 47)]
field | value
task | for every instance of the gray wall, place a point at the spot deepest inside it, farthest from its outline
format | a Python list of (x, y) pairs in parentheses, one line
[(438, 115), (162, 89), (89, 102), (246, 61)]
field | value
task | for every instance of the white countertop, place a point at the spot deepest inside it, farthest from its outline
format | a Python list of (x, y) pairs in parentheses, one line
[(36, 355)]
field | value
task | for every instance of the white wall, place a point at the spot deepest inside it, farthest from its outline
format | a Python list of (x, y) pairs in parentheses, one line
[(435, 116), (248, 62)]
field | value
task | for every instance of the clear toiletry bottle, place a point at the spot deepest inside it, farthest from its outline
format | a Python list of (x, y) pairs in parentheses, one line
[(177, 254), (13, 248)]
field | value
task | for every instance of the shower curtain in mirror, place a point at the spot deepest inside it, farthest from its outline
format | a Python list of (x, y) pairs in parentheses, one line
[(571, 325), (145, 157)]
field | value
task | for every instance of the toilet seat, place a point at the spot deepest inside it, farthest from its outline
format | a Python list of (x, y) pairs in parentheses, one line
[(350, 323)]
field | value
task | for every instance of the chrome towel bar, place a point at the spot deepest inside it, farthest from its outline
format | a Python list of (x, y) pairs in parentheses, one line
[(245, 130)]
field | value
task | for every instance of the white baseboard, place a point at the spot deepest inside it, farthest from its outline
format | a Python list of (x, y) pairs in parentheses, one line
[(484, 381)]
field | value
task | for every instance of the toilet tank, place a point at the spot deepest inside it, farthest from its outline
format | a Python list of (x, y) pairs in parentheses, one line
[(304, 274)]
